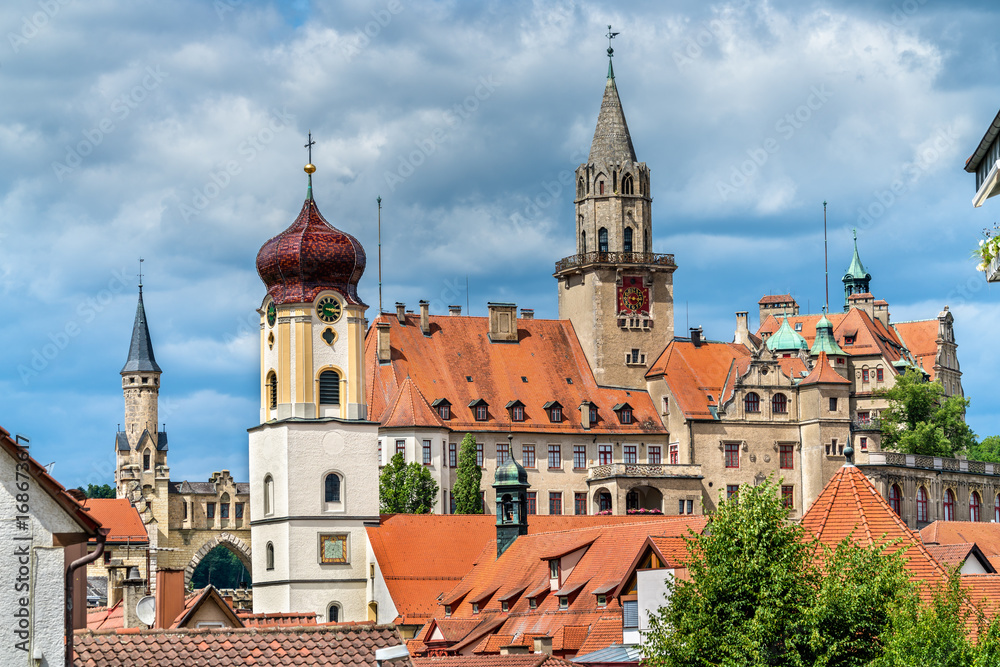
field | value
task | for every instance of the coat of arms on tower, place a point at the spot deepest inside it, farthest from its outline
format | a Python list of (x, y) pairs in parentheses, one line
[(633, 296)]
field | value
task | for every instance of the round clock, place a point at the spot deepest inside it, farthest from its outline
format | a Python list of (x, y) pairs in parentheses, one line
[(328, 309), (272, 314), (634, 298)]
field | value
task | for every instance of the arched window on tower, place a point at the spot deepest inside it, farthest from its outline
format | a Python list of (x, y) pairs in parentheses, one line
[(602, 240), (329, 388), (628, 188), (270, 556), (333, 614), (583, 242), (579, 188), (645, 242), (949, 505), (268, 495), (332, 490), (145, 460), (272, 390), (628, 240)]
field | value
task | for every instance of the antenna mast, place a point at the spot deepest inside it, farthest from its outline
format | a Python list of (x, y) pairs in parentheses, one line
[(826, 261), (379, 200)]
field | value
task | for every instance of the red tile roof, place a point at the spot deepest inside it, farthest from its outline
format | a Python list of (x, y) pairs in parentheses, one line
[(417, 571), (604, 632), (512, 660), (206, 596), (276, 620), (121, 517), (823, 373), (696, 372), (985, 535), (410, 408), (849, 505), (106, 618), (921, 339), (955, 555), (861, 295), (548, 354), (776, 298), (346, 644)]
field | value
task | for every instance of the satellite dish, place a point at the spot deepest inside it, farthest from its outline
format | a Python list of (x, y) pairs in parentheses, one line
[(145, 610)]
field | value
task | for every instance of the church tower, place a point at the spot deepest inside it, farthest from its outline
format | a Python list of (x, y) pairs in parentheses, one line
[(615, 291), (856, 280), (313, 458)]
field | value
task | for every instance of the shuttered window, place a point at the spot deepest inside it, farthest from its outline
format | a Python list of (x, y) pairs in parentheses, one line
[(630, 614), (329, 388)]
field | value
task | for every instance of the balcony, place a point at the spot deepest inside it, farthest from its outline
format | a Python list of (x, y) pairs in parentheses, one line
[(932, 463), (644, 470), (616, 258), (866, 425)]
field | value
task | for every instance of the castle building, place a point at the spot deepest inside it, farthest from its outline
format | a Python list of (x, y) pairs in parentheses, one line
[(184, 520), (313, 467)]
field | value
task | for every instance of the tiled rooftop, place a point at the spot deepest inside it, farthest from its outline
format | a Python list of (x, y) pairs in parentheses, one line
[(118, 515)]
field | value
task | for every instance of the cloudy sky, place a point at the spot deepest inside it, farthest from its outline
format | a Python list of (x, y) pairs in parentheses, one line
[(174, 131)]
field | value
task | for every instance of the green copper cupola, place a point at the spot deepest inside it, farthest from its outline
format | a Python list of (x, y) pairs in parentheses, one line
[(856, 280)]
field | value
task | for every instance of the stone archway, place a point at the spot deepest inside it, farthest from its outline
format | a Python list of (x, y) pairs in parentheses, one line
[(240, 548)]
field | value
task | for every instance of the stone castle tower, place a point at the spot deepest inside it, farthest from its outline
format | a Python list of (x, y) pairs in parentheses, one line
[(313, 458), (615, 291)]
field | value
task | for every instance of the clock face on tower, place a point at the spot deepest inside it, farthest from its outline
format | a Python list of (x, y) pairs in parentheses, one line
[(328, 309), (633, 296), (272, 314)]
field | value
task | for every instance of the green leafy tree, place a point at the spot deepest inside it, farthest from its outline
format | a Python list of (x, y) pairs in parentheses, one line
[(221, 568), (406, 489), (920, 420), (468, 479), (987, 450), (99, 491)]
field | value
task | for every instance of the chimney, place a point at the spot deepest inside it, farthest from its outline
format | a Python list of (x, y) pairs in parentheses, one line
[(133, 590), (454, 311), (382, 349), (169, 596), (527, 313), (401, 312), (696, 336), (503, 322), (742, 336), (515, 649), (543, 645), (425, 317)]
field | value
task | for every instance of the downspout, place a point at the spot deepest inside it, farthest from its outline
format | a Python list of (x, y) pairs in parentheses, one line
[(102, 535)]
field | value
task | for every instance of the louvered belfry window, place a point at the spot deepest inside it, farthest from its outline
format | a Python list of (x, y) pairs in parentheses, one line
[(329, 388)]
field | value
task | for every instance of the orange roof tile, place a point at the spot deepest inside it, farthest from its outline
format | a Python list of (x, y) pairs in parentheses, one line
[(512, 660), (823, 373), (849, 505), (606, 631), (776, 298), (106, 618), (861, 295), (208, 595), (121, 517), (410, 408), (696, 372), (417, 571), (548, 355), (921, 339), (985, 535), (492, 643), (871, 337), (954, 555), (984, 592), (292, 619)]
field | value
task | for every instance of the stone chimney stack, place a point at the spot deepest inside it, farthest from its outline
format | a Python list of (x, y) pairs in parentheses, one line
[(503, 322), (527, 313), (454, 311), (696, 336), (401, 312), (133, 589), (742, 329), (382, 349), (543, 645), (425, 317)]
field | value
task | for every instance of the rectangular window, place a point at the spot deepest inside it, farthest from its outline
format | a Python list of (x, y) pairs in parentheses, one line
[(401, 447), (879, 377), (479, 454), (239, 510), (564, 602), (732, 490), (481, 413), (732, 455), (427, 452), (503, 452), (604, 454), (224, 510), (517, 413), (630, 614), (580, 503), (690, 507), (555, 415), (528, 456), (444, 411), (452, 455), (864, 375), (183, 517), (555, 457), (555, 502), (833, 404), (680, 506), (630, 454), (593, 415), (532, 502), (579, 457), (602, 600), (787, 457), (380, 451), (625, 415), (554, 568), (451, 503), (653, 455), (788, 496), (864, 417), (864, 446), (210, 510), (107, 556), (675, 454)]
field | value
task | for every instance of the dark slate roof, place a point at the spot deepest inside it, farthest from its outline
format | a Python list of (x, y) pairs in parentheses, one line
[(613, 653), (612, 142), (140, 352), (121, 441), (161, 441)]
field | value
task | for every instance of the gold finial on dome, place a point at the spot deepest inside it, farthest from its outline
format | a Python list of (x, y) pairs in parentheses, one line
[(309, 168)]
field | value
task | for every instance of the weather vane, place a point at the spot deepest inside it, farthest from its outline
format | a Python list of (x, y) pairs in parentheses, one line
[(611, 36), (141, 260)]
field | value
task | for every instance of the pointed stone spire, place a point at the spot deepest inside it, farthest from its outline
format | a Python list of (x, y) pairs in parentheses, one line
[(612, 142), (140, 351)]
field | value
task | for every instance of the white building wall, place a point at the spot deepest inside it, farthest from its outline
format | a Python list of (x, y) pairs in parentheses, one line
[(378, 592), (652, 593)]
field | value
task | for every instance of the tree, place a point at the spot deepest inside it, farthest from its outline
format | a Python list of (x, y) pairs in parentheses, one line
[(920, 420), (221, 568), (987, 450), (468, 478), (98, 491), (406, 489)]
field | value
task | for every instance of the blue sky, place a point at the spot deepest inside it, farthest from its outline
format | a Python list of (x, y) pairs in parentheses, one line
[(174, 131)]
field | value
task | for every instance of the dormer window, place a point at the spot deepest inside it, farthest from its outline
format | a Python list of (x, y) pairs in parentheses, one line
[(564, 602), (481, 413), (516, 409), (447, 610), (602, 600), (443, 407), (533, 603), (593, 414), (554, 408), (504, 606), (624, 411), (849, 340), (798, 326), (480, 409), (554, 568), (475, 607)]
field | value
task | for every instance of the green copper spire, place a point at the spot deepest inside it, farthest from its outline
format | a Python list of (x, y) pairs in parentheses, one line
[(856, 280), (786, 340), (611, 52), (825, 342), (856, 269)]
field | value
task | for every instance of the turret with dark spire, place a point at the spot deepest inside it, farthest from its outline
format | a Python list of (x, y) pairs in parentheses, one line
[(140, 351)]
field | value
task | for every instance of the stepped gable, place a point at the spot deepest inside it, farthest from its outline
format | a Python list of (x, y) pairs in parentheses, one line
[(547, 354), (696, 372), (850, 505)]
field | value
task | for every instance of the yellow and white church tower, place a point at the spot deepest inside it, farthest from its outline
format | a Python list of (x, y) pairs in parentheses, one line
[(313, 457)]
